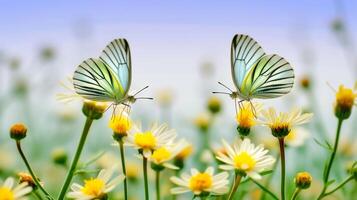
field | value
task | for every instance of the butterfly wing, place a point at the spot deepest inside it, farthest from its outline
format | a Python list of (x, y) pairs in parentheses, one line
[(94, 80), (270, 77), (245, 51), (116, 55)]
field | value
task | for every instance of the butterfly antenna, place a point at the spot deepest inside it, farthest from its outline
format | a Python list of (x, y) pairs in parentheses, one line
[(221, 93), (149, 98), (331, 87), (140, 90), (225, 86)]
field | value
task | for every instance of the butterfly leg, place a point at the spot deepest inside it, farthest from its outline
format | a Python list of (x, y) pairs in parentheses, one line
[(254, 111)]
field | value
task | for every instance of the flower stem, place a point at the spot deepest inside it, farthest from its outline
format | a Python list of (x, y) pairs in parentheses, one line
[(75, 160), (282, 157), (122, 155), (265, 189), (145, 169), (157, 185), (38, 196), (332, 157), (339, 186), (296, 193), (235, 186), (34, 177)]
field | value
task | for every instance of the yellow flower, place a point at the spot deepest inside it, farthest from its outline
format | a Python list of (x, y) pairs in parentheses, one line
[(201, 183), (246, 117), (120, 124), (94, 109), (18, 131), (303, 180), (345, 99), (282, 123), (245, 158), (203, 122), (185, 152), (214, 105), (9, 192)]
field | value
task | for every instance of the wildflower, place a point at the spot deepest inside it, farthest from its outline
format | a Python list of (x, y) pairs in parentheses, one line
[(305, 82), (96, 188), (27, 178), (93, 109), (303, 180), (214, 105), (246, 117), (59, 156), (182, 155), (164, 97), (345, 99), (18, 131), (148, 141), (202, 122), (120, 124), (132, 171), (296, 137), (9, 192), (201, 183), (245, 158), (282, 123)]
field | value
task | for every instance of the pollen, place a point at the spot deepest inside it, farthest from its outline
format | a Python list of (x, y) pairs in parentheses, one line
[(6, 194), (145, 140), (94, 187), (160, 155), (244, 161), (200, 182), (245, 118), (120, 125)]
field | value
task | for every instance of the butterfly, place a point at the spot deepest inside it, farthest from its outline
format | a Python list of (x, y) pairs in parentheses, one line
[(107, 78), (256, 74)]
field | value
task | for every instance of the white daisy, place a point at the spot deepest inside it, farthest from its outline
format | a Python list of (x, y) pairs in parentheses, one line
[(150, 140), (201, 183), (8, 190), (245, 158), (96, 188)]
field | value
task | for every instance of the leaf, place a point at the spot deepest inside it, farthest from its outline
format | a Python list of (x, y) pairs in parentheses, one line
[(326, 145)]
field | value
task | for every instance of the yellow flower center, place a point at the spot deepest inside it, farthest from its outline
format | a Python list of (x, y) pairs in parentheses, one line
[(291, 136), (345, 97), (161, 155), (120, 124), (245, 117), (200, 182), (280, 128), (6, 194), (244, 161), (94, 187), (184, 153), (145, 140)]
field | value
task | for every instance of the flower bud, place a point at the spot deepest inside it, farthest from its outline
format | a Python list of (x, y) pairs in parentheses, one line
[(120, 125), (303, 180), (203, 122), (60, 157), (27, 178), (93, 109), (18, 131), (305, 82), (345, 99), (214, 105)]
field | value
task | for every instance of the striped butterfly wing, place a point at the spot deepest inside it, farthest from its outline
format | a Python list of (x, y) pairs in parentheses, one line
[(245, 51), (94, 80), (116, 56), (270, 77)]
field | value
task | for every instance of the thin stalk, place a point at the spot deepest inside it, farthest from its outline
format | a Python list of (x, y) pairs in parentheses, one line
[(145, 169), (266, 190), (339, 186), (235, 186), (282, 158), (157, 185), (34, 177), (122, 156), (262, 197), (332, 157), (296, 193), (38, 196), (75, 160)]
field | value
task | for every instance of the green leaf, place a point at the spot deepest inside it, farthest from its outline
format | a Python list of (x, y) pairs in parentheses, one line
[(326, 145)]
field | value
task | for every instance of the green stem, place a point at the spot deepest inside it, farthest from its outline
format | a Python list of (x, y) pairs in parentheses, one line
[(262, 197), (38, 196), (157, 185), (145, 169), (122, 155), (296, 193), (266, 190), (75, 160), (339, 186), (282, 158), (332, 157), (34, 177), (235, 186)]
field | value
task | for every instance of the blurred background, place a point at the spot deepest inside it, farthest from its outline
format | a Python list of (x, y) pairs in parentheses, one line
[(180, 49)]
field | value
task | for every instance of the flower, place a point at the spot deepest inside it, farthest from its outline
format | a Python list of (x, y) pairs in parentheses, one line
[(164, 97), (27, 178), (305, 82), (203, 122), (9, 192), (246, 117), (303, 180), (297, 137), (148, 141), (96, 188), (345, 99), (245, 158), (180, 158), (214, 105), (18, 131), (94, 109), (160, 157), (282, 123), (201, 183), (120, 124), (60, 156)]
